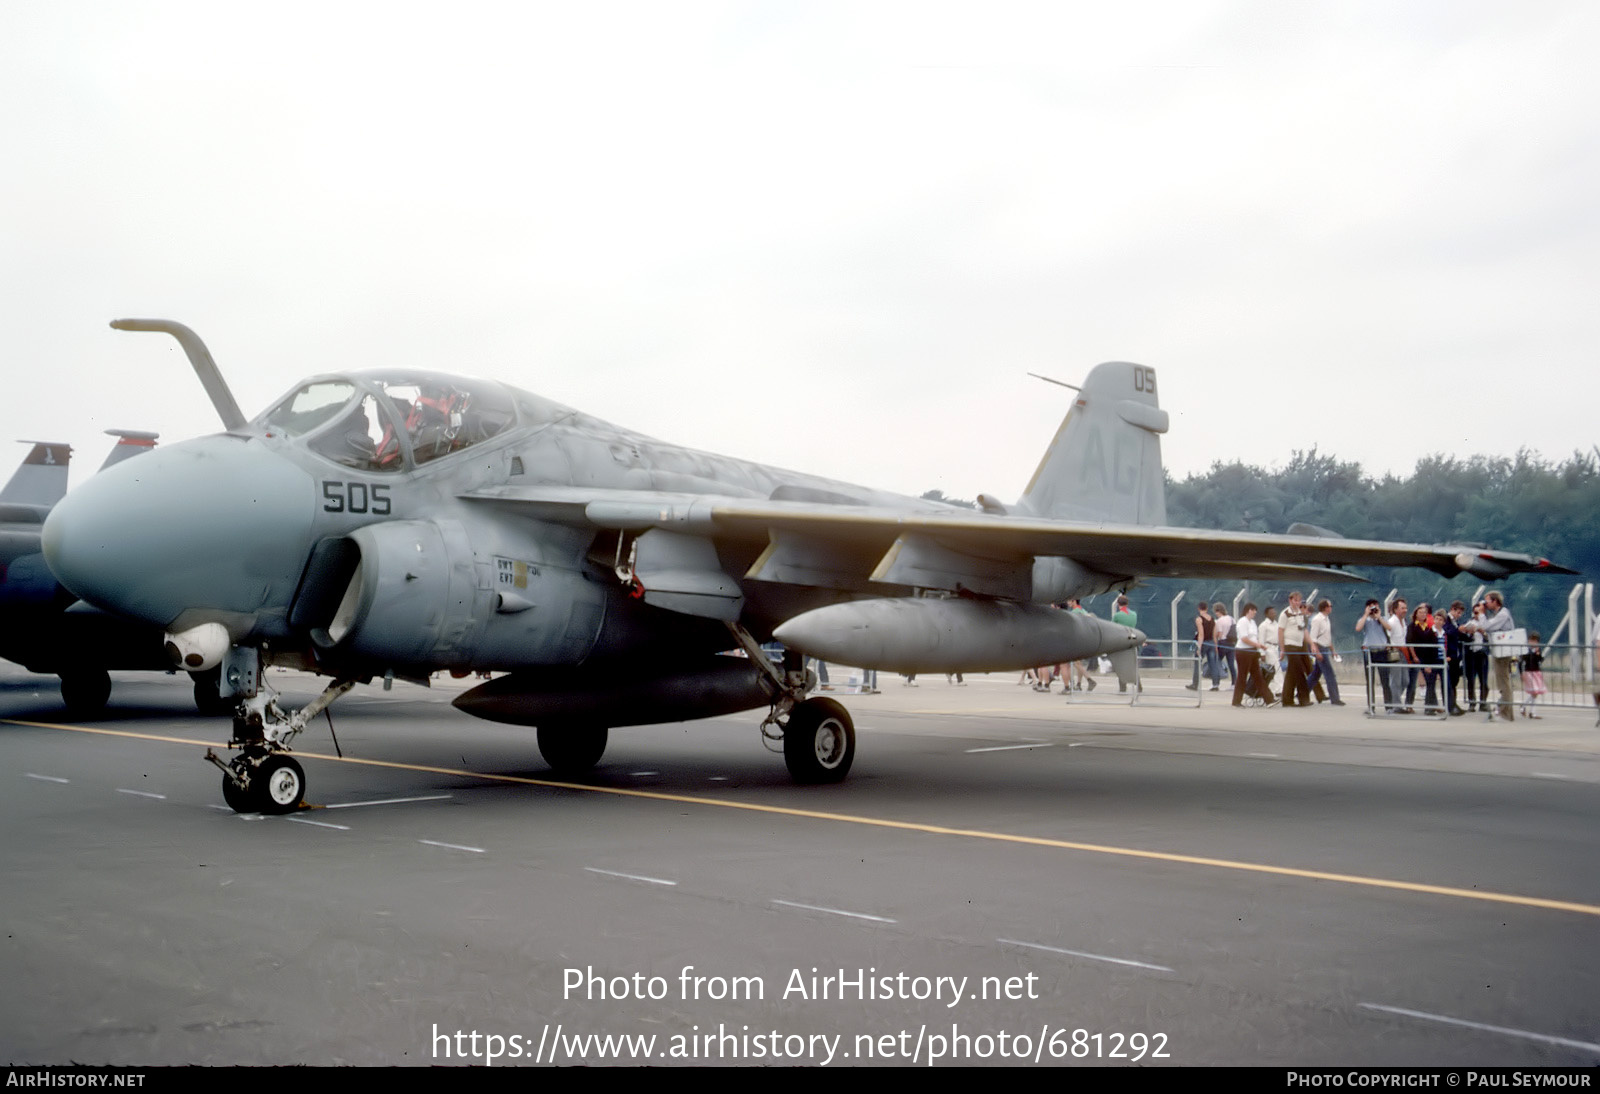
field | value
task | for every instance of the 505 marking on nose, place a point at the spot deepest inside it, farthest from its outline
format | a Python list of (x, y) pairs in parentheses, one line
[(355, 497)]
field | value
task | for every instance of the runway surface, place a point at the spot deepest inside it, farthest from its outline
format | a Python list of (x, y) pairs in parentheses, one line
[(1153, 884)]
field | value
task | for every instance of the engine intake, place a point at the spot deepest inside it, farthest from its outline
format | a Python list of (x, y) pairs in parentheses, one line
[(400, 593)]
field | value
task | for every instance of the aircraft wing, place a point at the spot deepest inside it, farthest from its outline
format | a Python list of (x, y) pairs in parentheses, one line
[(807, 543)]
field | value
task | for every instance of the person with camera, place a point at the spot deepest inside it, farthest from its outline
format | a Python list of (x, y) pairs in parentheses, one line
[(1375, 652), (1497, 620), (1475, 659)]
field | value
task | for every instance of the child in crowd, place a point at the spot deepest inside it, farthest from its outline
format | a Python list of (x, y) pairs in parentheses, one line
[(1532, 676)]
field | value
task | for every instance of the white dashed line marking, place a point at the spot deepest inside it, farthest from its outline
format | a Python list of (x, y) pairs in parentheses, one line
[(1587, 1046), (452, 846), (835, 911), (388, 801), (142, 794), (1008, 748), (47, 778), (630, 877), (319, 824), (1086, 956)]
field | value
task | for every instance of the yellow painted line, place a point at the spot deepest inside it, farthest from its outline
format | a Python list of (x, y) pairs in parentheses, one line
[(109, 732), (909, 826)]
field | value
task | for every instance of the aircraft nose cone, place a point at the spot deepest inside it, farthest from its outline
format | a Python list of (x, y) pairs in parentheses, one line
[(218, 524)]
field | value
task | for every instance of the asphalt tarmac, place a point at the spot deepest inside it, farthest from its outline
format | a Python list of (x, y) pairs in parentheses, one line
[(1005, 878)]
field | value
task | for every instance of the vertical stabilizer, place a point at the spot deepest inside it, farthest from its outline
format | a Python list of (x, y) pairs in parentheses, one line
[(42, 478), (1105, 461), (130, 442)]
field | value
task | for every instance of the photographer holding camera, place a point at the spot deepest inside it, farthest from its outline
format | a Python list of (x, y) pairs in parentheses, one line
[(1375, 650)]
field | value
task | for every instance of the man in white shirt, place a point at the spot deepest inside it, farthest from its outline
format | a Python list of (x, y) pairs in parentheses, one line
[(1296, 678), (1395, 624), (1322, 649), (1498, 620), (1225, 638), (1249, 649)]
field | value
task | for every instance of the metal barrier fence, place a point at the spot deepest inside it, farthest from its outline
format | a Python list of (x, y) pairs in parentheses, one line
[(1209, 671), (1142, 681), (1520, 684), (1175, 681), (1186, 680)]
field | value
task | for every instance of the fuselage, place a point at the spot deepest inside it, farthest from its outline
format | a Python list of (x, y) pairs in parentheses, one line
[(253, 529)]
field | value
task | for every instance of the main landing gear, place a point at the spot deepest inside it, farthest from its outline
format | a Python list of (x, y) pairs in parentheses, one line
[(819, 742), (263, 777), (817, 736)]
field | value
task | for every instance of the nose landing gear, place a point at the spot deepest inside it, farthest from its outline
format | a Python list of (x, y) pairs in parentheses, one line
[(263, 777), (273, 783)]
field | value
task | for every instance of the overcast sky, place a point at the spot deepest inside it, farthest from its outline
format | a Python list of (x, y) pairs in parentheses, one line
[(833, 237)]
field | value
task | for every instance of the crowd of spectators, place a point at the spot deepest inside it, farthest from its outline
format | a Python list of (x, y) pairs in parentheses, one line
[(1448, 651)]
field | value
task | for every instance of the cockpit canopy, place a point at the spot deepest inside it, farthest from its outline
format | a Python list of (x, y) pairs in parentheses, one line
[(388, 421)]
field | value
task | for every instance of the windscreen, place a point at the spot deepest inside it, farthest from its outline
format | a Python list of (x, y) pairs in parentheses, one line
[(386, 422)]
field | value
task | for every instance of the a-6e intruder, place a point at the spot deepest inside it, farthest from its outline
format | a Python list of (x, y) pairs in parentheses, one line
[(395, 523)]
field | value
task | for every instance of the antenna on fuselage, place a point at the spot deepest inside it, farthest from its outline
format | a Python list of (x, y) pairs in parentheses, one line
[(200, 357), (1052, 380)]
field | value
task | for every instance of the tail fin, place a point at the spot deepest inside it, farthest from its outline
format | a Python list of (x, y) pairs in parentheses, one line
[(130, 442), (1105, 461), (42, 478)]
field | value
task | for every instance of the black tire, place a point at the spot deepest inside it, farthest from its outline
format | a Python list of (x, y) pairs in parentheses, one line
[(239, 799), (206, 699), (572, 750), (819, 743), (279, 784), (85, 691)]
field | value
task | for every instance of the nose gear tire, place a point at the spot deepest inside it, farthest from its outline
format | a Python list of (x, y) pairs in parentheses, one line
[(279, 783)]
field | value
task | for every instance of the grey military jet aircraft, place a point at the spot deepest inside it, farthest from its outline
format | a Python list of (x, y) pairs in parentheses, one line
[(394, 523), (41, 626)]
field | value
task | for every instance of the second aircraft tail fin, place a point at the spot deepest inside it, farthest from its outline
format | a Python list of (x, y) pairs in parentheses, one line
[(130, 442), (42, 478)]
